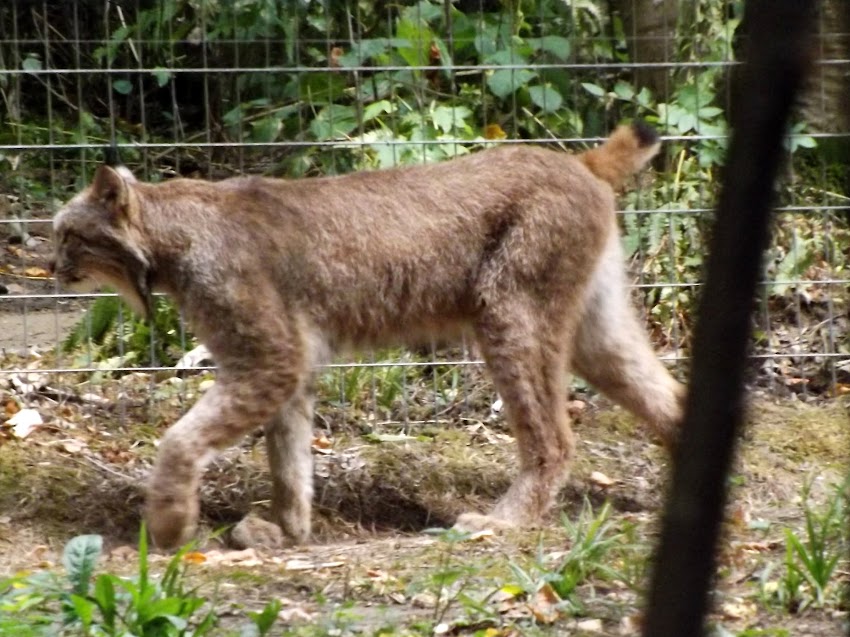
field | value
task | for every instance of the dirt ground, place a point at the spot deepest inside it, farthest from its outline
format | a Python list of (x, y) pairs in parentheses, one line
[(372, 567)]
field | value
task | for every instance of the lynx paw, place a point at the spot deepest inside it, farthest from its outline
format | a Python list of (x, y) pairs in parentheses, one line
[(171, 520), (475, 522), (254, 532)]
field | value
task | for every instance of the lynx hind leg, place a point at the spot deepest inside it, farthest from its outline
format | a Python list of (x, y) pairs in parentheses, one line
[(612, 351), (527, 359)]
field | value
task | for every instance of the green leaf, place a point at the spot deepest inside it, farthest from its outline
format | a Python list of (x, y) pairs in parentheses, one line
[(104, 596), (486, 40), (644, 97), (420, 37), (321, 87), (545, 97), (31, 63), (267, 617), (556, 45), (449, 118), (424, 11), (624, 90), (80, 558), (376, 109), (503, 82), (161, 75), (84, 610), (593, 89), (364, 50), (266, 129), (707, 112), (506, 57), (333, 122), (692, 98), (122, 86), (686, 122)]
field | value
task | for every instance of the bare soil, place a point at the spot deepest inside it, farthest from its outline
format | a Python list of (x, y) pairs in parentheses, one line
[(370, 564)]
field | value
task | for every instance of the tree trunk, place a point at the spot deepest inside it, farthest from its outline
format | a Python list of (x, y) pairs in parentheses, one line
[(823, 105), (650, 27)]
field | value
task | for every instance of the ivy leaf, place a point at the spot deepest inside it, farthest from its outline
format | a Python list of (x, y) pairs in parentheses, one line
[(503, 82), (334, 121), (266, 129), (556, 45), (122, 86), (449, 118), (420, 37), (546, 98), (364, 50), (593, 89), (375, 109), (161, 75), (624, 90), (31, 63)]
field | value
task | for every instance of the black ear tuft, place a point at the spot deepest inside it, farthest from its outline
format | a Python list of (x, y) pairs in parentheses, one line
[(111, 156), (646, 134)]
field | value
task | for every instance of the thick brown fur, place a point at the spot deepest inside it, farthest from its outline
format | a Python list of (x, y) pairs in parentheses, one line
[(516, 245)]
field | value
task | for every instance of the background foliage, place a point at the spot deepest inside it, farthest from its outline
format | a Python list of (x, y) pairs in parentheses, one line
[(294, 88)]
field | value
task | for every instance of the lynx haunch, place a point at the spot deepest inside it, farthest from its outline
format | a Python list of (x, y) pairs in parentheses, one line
[(516, 246)]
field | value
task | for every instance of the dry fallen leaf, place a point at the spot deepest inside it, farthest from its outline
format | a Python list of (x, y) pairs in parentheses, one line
[(322, 444), (36, 272), (575, 408), (304, 565), (11, 407), (24, 422), (631, 624), (738, 610), (494, 131), (601, 480), (72, 445), (590, 625), (544, 605), (478, 536), (123, 553), (245, 557), (295, 614)]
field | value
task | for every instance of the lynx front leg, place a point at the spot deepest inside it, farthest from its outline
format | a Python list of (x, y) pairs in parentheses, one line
[(526, 356), (235, 405), (288, 440)]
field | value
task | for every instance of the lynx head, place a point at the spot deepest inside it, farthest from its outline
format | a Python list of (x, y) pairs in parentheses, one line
[(98, 240)]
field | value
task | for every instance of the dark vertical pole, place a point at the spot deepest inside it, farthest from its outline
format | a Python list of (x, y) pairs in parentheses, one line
[(776, 56), (845, 105)]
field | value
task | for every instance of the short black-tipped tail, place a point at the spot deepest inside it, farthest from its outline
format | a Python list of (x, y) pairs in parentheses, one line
[(628, 149)]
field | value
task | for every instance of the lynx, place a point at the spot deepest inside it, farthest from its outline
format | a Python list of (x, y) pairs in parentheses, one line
[(516, 246)]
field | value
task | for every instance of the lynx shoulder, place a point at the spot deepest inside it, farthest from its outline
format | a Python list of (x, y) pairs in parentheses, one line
[(516, 246)]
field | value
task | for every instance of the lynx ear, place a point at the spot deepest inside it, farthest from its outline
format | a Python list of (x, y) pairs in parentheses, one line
[(110, 189)]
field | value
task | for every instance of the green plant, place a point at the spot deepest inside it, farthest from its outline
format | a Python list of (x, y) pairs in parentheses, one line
[(110, 331), (811, 561), (111, 605), (595, 543), (449, 582)]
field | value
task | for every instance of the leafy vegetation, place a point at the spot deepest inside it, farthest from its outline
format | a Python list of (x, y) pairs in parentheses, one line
[(369, 86), (109, 605)]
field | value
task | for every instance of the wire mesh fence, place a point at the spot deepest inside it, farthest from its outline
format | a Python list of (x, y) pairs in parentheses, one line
[(299, 89)]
